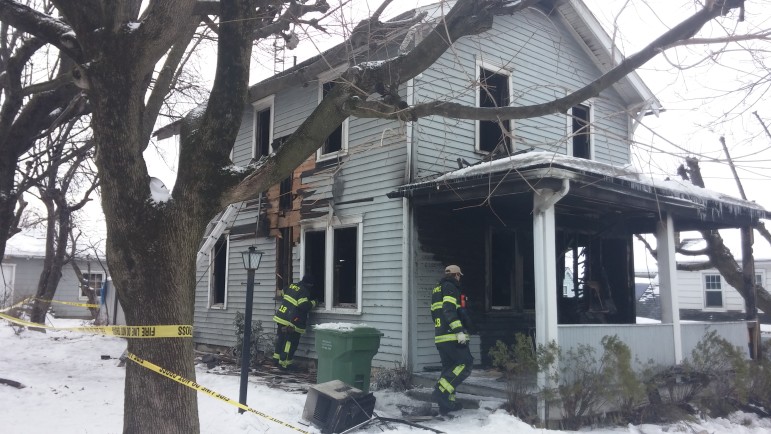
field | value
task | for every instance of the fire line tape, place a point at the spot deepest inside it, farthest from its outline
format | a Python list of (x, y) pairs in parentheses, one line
[(193, 385), (6, 309), (69, 303), (138, 332)]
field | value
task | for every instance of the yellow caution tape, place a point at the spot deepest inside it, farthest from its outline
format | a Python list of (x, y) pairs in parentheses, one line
[(69, 303), (28, 299), (6, 309), (193, 385), (141, 332)]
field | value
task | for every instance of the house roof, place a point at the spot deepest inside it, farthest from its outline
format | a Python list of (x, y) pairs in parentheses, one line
[(594, 189), (573, 13)]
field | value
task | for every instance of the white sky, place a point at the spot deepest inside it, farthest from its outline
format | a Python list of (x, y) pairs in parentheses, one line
[(71, 390)]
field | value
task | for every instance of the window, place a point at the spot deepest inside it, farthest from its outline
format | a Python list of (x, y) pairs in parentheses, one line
[(337, 142), (333, 256), (218, 273), (94, 281), (263, 128), (502, 269), (579, 128), (494, 91), (284, 258), (713, 292)]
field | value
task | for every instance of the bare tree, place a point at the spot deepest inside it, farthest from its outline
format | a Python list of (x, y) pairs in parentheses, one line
[(151, 247), (60, 172)]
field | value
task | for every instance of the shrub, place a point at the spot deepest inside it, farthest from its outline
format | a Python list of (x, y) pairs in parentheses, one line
[(725, 373), (521, 362), (397, 379), (257, 337)]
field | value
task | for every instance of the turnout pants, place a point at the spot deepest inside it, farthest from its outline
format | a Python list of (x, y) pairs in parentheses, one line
[(456, 367), (287, 340)]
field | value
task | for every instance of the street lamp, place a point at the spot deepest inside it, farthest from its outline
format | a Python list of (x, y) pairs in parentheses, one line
[(251, 259)]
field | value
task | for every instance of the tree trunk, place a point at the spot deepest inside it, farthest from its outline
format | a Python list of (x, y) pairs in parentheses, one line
[(54, 259)]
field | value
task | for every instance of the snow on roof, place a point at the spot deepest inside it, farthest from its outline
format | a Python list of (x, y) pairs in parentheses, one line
[(682, 189), (27, 243)]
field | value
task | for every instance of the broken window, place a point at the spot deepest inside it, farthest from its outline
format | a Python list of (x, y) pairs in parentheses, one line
[(502, 269), (337, 142), (284, 258), (262, 128), (315, 252), (493, 92), (218, 272), (94, 281), (580, 131), (285, 194), (332, 255), (713, 291)]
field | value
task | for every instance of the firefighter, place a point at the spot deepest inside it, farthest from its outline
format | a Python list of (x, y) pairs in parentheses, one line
[(291, 318), (451, 339)]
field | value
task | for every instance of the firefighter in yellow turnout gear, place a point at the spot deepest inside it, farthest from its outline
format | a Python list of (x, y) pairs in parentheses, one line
[(291, 319), (451, 339)]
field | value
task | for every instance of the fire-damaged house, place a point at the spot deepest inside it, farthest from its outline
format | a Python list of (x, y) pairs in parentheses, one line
[(383, 206)]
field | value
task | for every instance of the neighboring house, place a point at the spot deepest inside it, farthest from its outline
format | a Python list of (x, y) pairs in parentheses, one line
[(383, 207), (21, 274), (23, 265), (704, 295)]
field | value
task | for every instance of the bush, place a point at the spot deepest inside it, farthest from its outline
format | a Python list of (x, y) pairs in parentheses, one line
[(397, 379), (725, 373), (257, 337), (582, 384), (520, 363)]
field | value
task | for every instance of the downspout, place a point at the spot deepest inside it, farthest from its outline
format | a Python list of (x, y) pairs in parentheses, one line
[(407, 238)]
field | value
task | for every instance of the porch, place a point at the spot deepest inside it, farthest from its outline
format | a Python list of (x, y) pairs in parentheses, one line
[(649, 343)]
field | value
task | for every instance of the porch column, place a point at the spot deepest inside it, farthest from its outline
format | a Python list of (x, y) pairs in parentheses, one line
[(670, 308), (545, 267)]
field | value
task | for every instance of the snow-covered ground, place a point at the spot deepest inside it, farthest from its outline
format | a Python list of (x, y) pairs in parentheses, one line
[(71, 389)]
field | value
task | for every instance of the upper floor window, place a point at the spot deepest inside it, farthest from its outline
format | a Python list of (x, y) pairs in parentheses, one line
[(333, 256), (218, 273), (713, 291), (337, 142), (93, 280), (579, 129), (494, 91), (262, 128)]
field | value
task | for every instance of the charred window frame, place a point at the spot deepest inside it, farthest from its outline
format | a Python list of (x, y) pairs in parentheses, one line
[(337, 143), (580, 139), (494, 90), (262, 127), (284, 258), (713, 291), (333, 255), (218, 273)]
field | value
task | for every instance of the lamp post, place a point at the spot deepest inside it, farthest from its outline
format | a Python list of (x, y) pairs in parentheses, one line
[(251, 259)]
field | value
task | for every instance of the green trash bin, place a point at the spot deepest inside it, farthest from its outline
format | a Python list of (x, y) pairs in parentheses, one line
[(345, 354)]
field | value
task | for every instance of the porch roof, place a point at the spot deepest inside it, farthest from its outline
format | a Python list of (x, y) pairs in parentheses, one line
[(595, 188)]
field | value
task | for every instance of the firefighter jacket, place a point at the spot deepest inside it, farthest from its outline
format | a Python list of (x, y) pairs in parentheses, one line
[(295, 306), (445, 302)]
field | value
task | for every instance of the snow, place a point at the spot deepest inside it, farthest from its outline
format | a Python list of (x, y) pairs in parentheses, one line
[(680, 189), (70, 389), (339, 326), (158, 191)]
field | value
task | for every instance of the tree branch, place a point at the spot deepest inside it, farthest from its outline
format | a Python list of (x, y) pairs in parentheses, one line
[(48, 28)]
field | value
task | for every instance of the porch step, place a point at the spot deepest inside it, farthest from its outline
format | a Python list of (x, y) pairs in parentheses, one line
[(425, 395), (482, 383)]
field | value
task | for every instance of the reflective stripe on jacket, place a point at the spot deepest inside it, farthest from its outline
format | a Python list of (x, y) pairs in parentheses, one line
[(445, 301), (294, 308)]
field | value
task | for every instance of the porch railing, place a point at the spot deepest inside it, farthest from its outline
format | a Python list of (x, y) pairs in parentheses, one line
[(651, 342)]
